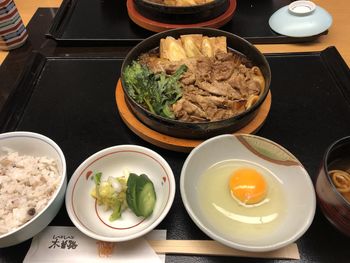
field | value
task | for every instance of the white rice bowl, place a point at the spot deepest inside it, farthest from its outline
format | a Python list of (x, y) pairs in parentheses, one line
[(32, 185)]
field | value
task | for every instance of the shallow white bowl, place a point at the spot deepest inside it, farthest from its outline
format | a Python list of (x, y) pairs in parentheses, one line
[(296, 186), (34, 144), (91, 219)]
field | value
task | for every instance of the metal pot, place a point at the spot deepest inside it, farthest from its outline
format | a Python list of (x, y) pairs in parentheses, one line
[(197, 130)]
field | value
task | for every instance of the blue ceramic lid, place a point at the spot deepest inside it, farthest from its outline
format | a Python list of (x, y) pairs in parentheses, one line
[(300, 19)]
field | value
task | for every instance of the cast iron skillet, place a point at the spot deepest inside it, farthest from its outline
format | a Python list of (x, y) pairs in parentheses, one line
[(198, 130), (181, 14)]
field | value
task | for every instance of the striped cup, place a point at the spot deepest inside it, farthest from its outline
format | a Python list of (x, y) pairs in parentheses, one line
[(13, 33)]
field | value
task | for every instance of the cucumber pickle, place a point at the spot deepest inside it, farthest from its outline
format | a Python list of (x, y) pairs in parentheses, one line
[(140, 195)]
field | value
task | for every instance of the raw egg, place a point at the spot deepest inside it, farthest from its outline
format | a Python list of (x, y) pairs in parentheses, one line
[(241, 199), (248, 186)]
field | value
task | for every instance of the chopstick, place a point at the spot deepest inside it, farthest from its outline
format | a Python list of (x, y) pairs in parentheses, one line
[(213, 248)]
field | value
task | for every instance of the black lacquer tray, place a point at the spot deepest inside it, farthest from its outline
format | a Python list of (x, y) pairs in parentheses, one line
[(71, 100), (97, 22)]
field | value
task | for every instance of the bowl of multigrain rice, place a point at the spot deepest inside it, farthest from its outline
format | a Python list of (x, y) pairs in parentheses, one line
[(32, 185)]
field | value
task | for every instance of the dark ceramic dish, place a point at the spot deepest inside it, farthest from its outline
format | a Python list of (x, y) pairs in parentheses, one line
[(198, 130), (333, 205), (181, 14)]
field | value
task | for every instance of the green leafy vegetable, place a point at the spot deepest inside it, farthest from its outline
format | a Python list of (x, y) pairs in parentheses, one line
[(156, 91), (97, 178)]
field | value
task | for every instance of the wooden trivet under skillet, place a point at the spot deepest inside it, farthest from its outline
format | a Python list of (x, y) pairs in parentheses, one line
[(156, 26), (173, 143)]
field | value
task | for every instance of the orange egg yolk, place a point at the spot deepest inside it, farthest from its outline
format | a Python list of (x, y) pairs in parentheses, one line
[(248, 186)]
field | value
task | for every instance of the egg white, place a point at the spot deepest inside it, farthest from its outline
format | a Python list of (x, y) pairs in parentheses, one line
[(232, 219)]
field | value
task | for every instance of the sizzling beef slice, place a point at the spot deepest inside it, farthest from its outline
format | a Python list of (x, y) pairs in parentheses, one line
[(216, 108), (214, 88), (188, 78), (203, 69), (222, 70), (219, 89), (188, 111)]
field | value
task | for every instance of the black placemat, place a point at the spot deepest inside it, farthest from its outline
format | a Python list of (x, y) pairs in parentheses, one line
[(97, 22), (71, 100)]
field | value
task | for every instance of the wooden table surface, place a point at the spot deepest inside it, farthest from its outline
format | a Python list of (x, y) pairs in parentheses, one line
[(338, 35)]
